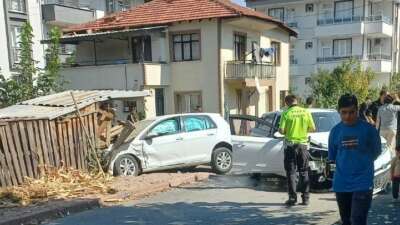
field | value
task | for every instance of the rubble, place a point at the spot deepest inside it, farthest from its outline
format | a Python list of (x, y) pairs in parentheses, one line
[(64, 183)]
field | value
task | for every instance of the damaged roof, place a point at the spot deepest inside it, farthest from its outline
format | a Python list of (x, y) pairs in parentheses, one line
[(164, 12), (56, 105)]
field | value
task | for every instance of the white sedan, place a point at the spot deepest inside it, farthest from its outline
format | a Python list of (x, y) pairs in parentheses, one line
[(173, 141), (258, 149)]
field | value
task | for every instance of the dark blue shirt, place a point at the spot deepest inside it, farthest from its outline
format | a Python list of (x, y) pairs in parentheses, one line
[(354, 149)]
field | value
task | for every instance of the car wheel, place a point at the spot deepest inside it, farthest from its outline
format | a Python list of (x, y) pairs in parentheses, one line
[(126, 165), (221, 160)]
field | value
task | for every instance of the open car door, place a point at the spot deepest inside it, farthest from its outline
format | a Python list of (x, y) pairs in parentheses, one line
[(254, 149)]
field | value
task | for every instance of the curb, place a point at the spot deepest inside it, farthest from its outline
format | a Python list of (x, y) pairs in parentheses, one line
[(53, 213)]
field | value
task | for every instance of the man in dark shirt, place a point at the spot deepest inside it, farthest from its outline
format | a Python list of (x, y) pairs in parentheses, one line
[(373, 108)]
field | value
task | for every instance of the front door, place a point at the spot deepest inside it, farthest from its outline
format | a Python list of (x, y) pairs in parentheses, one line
[(163, 145), (160, 106)]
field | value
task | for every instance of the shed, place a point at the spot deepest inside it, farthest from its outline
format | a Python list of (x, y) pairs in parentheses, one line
[(46, 131)]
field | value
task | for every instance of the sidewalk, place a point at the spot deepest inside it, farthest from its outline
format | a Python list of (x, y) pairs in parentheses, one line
[(384, 211)]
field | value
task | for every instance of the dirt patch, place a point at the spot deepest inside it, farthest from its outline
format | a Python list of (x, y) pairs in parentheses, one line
[(127, 188)]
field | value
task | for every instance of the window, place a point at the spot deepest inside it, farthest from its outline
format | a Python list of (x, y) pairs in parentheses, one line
[(276, 58), (118, 5), (160, 103), (129, 106), (292, 58), (309, 45), (186, 47), (342, 47), (309, 7), (343, 10), (17, 5), (198, 123), (166, 127), (15, 34), (277, 13), (240, 46), (141, 49), (188, 102)]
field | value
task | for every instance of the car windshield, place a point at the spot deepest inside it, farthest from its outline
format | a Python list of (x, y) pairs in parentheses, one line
[(325, 121)]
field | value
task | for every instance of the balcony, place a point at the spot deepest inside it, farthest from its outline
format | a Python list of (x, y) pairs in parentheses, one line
[(379, 62), (247, 71), (337, 58), (122, 76), (375, 26), (65, 13)]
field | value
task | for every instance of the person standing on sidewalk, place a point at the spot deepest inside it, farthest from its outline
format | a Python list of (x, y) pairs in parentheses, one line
[(374, 107), (395, 175), (295, 123), (353, 145), (386, 122)]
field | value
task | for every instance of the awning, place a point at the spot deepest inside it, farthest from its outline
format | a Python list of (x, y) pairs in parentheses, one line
[(74, 39)]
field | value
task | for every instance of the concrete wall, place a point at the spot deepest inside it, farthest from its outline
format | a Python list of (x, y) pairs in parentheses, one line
[(4, 63)]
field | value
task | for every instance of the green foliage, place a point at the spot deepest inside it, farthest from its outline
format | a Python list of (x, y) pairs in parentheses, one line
[(394, 85), (348, 77), (50, 81), (22, 85)]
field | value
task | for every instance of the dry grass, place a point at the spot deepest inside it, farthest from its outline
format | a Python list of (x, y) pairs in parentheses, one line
[(55, 184)]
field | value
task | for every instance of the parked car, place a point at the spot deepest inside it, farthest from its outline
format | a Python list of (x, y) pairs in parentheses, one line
[(258, 148), (173, 141)]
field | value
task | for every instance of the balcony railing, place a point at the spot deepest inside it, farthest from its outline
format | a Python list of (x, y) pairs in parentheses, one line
[(104, 62), (250, 70), (379, 56), (337, 58), (353, 19)]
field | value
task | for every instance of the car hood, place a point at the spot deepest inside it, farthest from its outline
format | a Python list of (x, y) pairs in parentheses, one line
[(320, 139)]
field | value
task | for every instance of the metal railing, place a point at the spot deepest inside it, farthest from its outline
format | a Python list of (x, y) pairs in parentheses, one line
[(337, 58), (249, 69), (69, 3), (353, 19), (379, 56)]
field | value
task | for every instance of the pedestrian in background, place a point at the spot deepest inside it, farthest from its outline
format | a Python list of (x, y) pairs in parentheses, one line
[(374, 107), (295, 124), (310, 102), (364, 114), (353, 146), (386, 122), (395, 175)]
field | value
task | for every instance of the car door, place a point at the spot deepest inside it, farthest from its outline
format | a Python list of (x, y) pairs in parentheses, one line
[(199, 138), (162, 144), (252, 153)]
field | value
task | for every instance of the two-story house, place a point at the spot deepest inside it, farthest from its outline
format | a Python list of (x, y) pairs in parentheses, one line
[(331, 31), (43, 15), (191, 54)]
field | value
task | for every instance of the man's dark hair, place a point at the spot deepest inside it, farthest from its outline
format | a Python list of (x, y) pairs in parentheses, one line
[(310, 100), (347, 100), (290, 99), (383, 92), (388, 99)]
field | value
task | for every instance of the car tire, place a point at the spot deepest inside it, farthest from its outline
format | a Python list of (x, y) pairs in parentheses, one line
[(221, 160), (126, 165)]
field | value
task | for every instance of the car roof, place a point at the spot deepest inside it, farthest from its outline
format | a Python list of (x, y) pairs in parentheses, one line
[(312, 110), (183, 114)]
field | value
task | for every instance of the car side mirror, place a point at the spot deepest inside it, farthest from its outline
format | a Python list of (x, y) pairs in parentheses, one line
[(150, 137), (278, 135)]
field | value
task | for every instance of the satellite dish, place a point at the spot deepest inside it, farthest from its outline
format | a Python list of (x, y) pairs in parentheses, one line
[(266, 52)]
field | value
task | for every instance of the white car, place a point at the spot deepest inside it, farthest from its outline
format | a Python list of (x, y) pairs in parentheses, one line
[(173, 141), (257, 149)]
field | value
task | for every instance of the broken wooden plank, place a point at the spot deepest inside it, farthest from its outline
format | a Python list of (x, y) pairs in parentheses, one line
[(25, 148), (53, 137), (71, 145), (44, 142), (32, 147), (39, 149), (6, 149), (16, 162)]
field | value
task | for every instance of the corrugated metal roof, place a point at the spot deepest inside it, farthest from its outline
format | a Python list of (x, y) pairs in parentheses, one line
[(53, 106)]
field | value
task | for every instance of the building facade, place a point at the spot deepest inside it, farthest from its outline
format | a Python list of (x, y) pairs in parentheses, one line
[(331, 31), (201, 60), (43, 15)]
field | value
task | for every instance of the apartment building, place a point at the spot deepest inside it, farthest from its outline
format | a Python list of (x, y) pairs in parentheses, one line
[(191, 54), (331, 31), (43, 15)]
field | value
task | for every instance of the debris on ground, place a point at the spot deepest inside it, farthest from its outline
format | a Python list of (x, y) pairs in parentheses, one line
[(64, 183)]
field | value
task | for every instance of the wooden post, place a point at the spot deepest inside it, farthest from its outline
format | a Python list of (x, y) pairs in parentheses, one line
[(87, 134)]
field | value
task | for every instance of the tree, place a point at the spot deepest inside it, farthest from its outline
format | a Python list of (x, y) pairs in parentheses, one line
[(348, 77), (394, 85), (50, 81), (27, 65)]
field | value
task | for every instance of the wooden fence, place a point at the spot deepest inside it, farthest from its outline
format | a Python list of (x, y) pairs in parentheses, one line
[(28, 145)]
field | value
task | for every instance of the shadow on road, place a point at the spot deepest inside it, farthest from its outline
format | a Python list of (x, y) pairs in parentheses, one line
[(194, 213)]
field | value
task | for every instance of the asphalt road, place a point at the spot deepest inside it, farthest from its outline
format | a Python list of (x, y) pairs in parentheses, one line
[(221, 200)]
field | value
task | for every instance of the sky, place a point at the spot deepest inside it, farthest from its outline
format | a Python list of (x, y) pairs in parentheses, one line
[(240, 2)]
